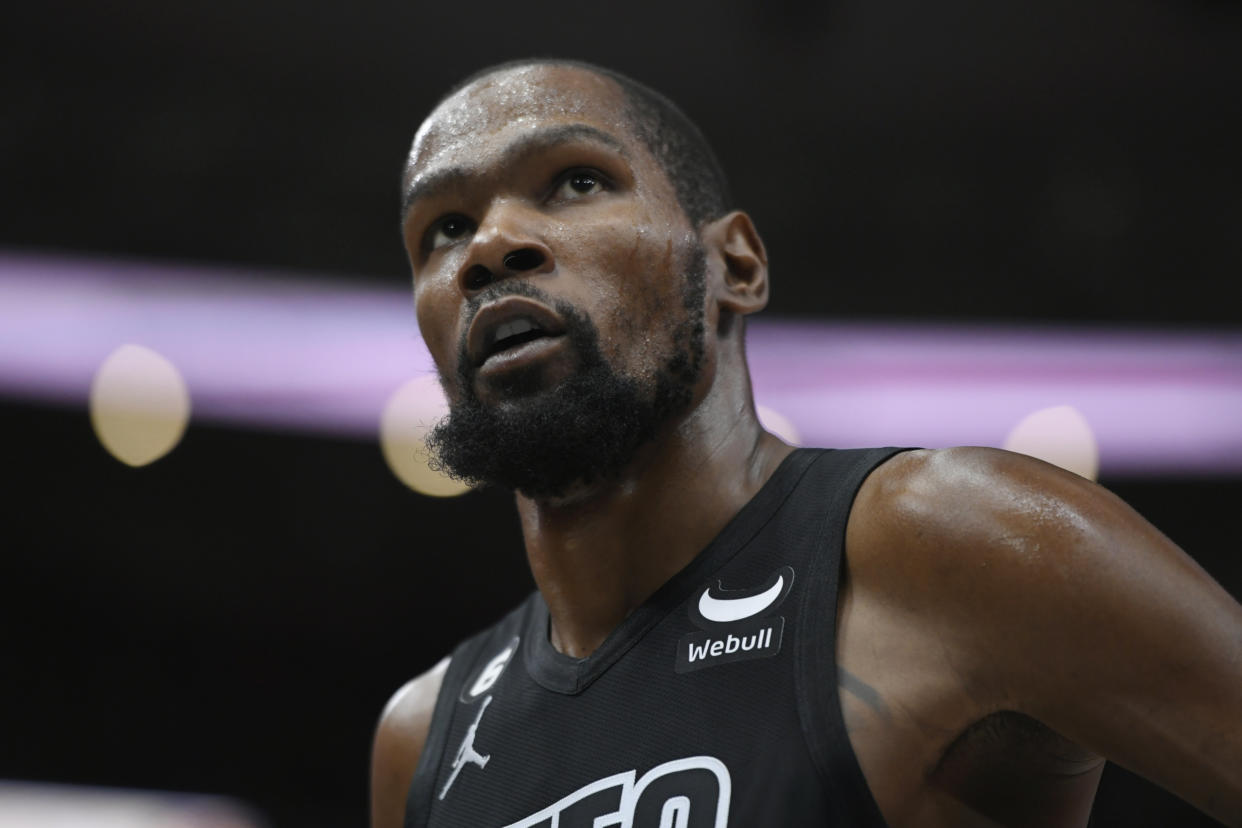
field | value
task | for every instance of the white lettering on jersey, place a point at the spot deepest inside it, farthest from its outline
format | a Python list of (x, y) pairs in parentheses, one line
[(676, 813), (686, 793)]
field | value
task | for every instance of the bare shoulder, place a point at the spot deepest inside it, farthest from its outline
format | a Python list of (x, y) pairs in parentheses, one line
[(399, 740), (972, 536), (1045, 594), (948, 513)]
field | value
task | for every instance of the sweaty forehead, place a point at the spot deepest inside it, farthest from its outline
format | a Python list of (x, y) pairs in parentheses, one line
[(515, 100)]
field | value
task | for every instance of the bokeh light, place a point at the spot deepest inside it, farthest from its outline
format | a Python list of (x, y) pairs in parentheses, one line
[(410, 413), (1059, 435), (139, 405)]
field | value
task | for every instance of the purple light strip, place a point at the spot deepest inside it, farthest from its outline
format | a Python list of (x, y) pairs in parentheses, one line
[(1158, 402), (283, 352)]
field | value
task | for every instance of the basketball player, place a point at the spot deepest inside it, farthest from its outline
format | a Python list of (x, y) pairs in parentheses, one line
[(728, 631)]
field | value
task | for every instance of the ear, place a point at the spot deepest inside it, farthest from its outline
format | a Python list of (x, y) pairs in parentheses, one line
[(733, 242)]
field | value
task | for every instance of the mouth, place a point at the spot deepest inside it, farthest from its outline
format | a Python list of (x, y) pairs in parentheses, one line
[(512, 334), (508, 327)]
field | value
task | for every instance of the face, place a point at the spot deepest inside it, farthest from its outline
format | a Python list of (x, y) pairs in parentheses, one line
[(558, 284)]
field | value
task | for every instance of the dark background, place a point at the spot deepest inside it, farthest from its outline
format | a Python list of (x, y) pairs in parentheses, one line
[(232, 618)]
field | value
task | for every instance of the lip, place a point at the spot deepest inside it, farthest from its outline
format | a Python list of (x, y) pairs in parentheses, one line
[(483, 327)]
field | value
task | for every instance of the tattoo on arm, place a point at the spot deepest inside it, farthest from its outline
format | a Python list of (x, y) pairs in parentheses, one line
[(862, 691)]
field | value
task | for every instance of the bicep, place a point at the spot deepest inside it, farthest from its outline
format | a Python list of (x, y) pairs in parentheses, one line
[(1127, 646), (1054, 598), (398, 746)]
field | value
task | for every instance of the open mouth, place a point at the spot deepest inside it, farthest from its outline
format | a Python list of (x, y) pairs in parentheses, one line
[(512, 327), (513, 334)]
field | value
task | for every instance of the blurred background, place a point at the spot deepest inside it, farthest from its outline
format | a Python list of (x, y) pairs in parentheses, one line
[(976, 212)]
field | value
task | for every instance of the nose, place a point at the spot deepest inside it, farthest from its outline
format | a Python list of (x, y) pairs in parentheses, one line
[(506, 244)]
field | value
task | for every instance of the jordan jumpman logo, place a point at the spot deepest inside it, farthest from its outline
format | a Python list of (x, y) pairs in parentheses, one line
[(466, 753)]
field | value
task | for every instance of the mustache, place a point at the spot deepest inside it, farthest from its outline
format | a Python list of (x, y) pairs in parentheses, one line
[(498, 290)]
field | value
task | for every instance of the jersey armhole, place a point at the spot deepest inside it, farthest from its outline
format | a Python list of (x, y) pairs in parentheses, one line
[(836, 483)]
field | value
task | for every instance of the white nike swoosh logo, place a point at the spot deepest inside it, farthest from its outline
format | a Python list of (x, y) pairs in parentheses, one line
[(722, 610)]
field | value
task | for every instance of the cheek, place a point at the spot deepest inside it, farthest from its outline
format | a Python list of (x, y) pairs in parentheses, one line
[(638, 292), (629, 251), (434, 319)]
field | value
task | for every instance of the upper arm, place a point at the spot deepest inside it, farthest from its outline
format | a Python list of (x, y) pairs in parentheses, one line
[(399, 740), (1054, 598)]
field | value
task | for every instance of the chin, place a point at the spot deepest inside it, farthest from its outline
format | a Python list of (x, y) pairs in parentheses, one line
[(519, 385)]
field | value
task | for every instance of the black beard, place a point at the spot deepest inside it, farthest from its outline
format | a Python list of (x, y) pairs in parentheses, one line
[(585, 430)]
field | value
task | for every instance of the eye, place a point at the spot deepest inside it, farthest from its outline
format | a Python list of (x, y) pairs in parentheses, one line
[(447, 230), (578, 183)]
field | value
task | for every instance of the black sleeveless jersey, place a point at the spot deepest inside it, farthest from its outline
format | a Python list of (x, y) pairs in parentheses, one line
[(713, 704)]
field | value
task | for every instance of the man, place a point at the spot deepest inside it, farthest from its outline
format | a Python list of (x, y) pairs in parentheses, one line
[(728, 631)]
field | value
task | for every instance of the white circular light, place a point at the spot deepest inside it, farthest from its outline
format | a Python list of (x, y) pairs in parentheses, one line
[(410, 413), (1058, 435), (139, 405), (778, 424)]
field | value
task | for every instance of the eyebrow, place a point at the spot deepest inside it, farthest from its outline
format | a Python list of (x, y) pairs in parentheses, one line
[(436, 182)]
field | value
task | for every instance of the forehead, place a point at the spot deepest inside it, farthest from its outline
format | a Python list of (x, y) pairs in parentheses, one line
[(505, 105)]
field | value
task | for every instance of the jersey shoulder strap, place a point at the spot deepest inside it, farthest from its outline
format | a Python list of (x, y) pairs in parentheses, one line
[(468, 678), (830, 487)]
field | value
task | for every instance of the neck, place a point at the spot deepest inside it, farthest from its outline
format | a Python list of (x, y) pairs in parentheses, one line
[(598, 556)]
